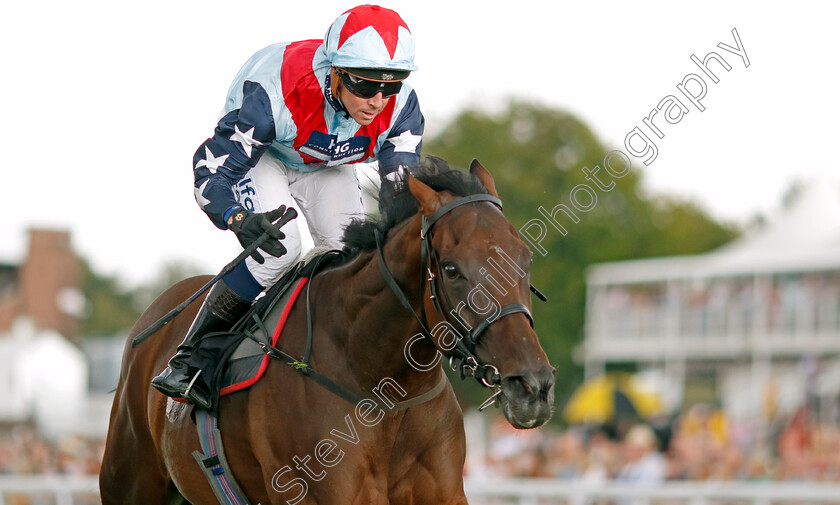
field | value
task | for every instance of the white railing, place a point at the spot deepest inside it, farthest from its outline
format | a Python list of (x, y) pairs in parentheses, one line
[(550, 491), (60, 490), (85, 490)]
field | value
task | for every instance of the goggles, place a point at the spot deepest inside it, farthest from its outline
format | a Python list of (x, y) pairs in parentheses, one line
[(364, 88)]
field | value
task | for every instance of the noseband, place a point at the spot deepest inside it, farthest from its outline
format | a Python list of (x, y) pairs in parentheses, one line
[(463, 357)]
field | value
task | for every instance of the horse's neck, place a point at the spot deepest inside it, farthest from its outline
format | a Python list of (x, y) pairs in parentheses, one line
[(380, 326)]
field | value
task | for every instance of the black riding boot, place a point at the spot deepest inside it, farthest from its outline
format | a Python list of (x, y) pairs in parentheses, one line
[(221, 308)]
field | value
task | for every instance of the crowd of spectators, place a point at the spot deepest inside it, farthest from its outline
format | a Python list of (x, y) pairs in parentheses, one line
[(24, 452), (700, 444)]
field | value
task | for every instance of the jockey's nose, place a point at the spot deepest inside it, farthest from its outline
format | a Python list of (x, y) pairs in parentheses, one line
[(377, 100)]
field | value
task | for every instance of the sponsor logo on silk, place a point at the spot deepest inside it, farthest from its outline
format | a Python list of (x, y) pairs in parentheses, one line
[(326, 148), (244, 190)]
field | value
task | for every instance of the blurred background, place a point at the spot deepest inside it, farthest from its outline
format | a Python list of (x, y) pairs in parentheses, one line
[(694, 306)]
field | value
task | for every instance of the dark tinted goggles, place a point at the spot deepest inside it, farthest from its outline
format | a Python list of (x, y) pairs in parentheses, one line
[(364, 88)]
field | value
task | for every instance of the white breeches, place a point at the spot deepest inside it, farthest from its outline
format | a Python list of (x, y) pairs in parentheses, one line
[(328, 199)]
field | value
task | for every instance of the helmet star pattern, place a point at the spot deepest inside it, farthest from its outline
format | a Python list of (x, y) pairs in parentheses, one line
[(385, 21), (369, 36)]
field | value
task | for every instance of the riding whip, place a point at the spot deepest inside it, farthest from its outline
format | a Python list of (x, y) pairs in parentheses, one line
[(160, 323)]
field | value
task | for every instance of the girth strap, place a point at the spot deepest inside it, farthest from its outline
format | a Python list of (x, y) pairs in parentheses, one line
[(213, 463)]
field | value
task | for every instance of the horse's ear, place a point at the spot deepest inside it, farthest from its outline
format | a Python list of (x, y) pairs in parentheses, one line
[(429, 198), (483, 175)]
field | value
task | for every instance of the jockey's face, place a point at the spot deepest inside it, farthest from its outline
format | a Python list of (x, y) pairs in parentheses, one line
[(362, 110)]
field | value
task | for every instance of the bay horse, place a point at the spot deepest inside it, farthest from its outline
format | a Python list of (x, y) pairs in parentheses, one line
[(290, 440)]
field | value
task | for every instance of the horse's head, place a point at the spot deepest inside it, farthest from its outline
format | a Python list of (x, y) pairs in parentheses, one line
[(478, 289)]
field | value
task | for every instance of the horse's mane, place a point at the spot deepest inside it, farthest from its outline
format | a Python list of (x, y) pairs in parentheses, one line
[(435, 173)]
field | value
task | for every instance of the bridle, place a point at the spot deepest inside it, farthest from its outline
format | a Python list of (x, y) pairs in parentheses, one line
[(463, 356)]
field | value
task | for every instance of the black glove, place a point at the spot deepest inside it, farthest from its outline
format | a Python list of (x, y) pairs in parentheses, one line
[(249, 226)]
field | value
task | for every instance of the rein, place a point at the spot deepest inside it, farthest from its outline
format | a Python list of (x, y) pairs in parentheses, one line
[(463, 358), (305, 369), (344, 393)]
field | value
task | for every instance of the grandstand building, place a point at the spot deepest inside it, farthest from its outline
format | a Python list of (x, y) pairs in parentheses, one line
[(753, 325)]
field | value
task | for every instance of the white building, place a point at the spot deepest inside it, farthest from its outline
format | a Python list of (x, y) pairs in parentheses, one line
[(757, 321), (43, 378)]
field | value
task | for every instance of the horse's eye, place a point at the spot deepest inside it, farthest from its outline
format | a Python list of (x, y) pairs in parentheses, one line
[(450, 270)]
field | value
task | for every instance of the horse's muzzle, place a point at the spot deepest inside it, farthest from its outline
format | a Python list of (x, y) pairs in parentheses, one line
[(527, 399)]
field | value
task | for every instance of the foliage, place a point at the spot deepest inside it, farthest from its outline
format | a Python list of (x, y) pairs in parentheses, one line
[(536, 155), (113, 309), (110, 307), (173, 272)]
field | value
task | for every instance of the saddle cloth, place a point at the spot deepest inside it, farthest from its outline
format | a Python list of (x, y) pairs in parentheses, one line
[(244, 362), (248, 362)]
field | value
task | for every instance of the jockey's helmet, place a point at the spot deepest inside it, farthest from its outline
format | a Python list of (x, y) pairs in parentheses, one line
[(371, 42)]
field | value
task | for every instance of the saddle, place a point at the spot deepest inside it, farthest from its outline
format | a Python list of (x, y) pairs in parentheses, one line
[(246, 347)]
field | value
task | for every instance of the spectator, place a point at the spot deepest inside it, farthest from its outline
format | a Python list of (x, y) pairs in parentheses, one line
[(644, 464)]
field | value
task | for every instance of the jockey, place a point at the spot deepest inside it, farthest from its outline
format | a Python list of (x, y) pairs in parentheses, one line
[(298, 116)]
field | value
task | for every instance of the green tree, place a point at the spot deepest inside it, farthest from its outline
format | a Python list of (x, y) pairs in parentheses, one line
[(172, 273), (111, 308), (536, 155)]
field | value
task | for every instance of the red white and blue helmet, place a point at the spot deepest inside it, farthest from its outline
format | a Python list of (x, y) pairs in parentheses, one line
[(371, 37)]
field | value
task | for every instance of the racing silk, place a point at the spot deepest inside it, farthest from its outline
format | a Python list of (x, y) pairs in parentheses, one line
[(280, 104)]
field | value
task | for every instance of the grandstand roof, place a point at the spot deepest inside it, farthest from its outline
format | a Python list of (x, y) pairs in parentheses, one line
[(804, 236)]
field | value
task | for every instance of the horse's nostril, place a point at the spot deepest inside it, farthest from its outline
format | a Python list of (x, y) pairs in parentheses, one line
[(538, 384), (522, 385)]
